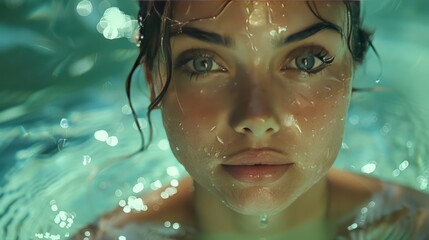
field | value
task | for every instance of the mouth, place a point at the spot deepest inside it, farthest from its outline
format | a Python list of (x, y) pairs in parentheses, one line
[(258, 173), (257, 165)]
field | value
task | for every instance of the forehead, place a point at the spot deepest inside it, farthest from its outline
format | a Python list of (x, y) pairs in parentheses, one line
[(235, 14)]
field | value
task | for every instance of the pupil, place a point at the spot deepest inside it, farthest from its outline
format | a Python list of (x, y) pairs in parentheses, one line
[(305, 62), (203, 64)]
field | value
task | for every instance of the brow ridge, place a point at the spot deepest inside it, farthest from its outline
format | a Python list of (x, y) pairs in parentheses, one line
[(205, 36), (226, 41), (310, 31)]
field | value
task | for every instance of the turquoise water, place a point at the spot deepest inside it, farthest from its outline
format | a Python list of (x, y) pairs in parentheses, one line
[(66, 132)]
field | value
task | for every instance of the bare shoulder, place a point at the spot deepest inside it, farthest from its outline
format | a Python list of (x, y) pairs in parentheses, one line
[(177, 208), (357, 188), (349, 191), (355, 197)]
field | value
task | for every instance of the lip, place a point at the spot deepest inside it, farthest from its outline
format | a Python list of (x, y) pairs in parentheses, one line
[(257, 156), (264, 165), (257, 173)]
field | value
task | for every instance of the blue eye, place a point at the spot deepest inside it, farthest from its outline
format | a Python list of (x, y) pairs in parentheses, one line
[(196, 63), (306, 62), (309, 60), (202, 64)]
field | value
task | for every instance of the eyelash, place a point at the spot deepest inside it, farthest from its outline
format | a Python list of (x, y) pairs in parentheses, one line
[(191, 55), (315, 51), (318, 52)]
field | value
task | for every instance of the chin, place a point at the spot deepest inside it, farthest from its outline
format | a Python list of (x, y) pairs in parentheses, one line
[(258, 201)]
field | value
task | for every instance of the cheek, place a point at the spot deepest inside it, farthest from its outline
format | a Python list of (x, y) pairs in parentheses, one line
[(322, 123), (193, 106), (321, 102), (197, 111), (190, 124), (324, 114), (190, 117)]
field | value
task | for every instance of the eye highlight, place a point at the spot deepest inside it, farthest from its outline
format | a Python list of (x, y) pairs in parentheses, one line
[(308, 59), (197, 62), (202, 64)]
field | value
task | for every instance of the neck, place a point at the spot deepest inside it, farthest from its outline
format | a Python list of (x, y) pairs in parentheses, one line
[(215, 217)]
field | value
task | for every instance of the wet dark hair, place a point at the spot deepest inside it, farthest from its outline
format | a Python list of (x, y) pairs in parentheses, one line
[(154, 43)]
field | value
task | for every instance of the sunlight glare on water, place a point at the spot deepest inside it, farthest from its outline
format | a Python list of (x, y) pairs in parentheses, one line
[(86, 160), (116, 24), (84, 8), (64, 123)]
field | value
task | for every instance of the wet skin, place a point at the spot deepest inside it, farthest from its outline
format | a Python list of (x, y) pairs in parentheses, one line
[(348, 194), (255, 112), (254, 104)]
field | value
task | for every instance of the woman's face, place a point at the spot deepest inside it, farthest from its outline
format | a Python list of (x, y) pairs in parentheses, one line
[(256, 107)]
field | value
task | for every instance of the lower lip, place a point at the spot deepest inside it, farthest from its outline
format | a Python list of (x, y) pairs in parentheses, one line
[(257, 173)]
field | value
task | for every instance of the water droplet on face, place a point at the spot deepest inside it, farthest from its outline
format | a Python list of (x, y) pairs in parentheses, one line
[(220, 140), (263, 221)]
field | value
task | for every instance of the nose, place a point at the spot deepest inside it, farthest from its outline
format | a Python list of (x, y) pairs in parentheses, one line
[(257, 127), (254, 114)]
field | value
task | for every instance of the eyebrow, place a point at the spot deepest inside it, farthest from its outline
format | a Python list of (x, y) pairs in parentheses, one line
[(308, 32), (210, 37), (226, 41)]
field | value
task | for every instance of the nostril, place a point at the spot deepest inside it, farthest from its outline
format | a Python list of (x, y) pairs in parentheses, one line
[(247, 130), (257, 127)]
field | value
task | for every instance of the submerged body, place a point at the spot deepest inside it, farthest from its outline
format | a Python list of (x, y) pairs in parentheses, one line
[(357, 207)]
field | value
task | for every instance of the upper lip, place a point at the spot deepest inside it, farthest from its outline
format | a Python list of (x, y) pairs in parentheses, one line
[(257, 156)]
